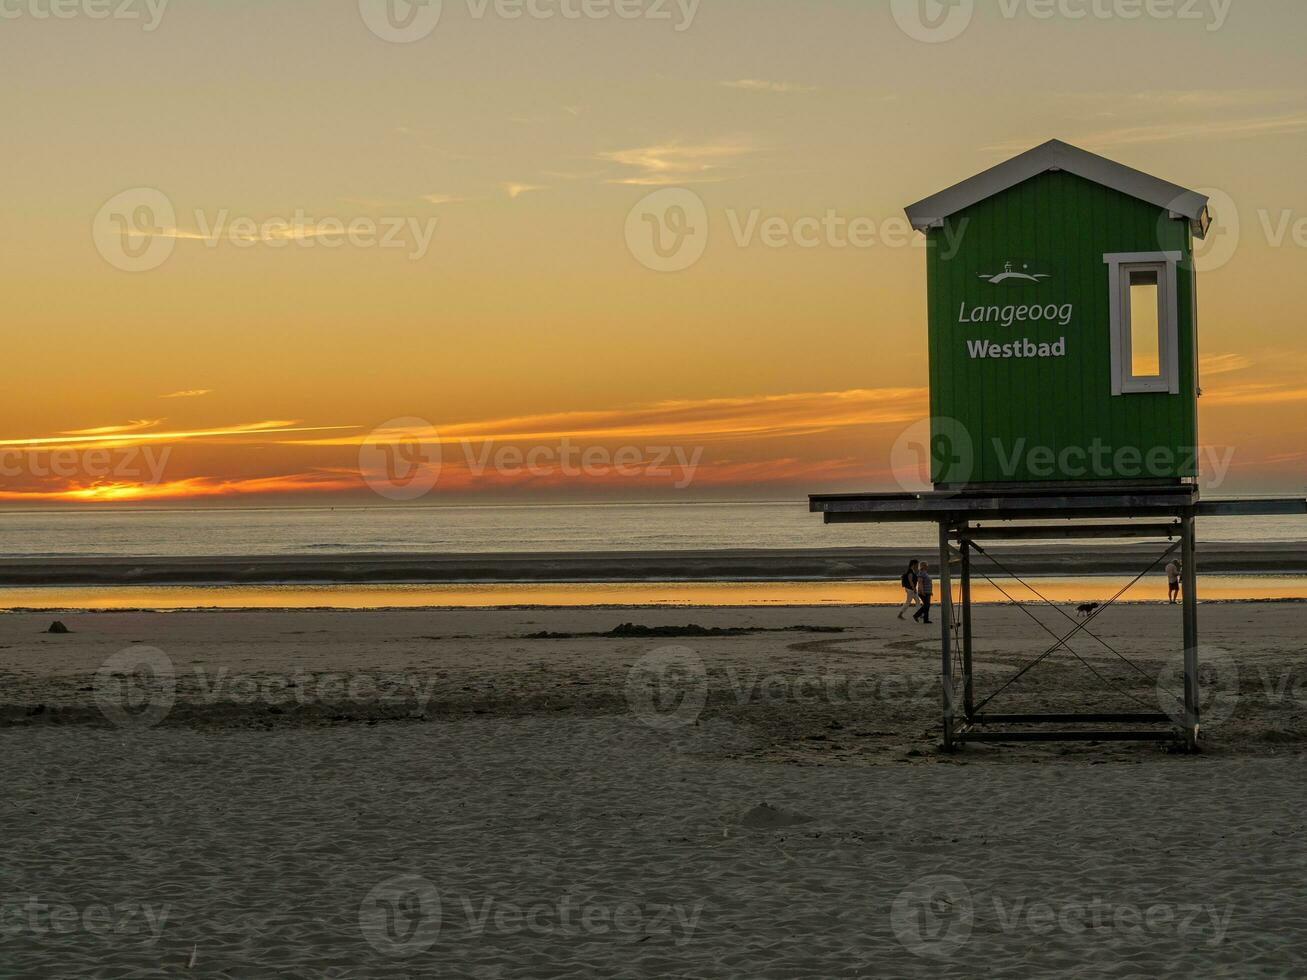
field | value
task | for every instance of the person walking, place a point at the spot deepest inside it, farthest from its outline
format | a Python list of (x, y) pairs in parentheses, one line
[(1173, 581), (909, 581), (925, 589)]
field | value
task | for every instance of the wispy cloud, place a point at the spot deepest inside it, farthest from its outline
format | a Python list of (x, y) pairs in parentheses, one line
[(372, 203), (1211, 365), (135, 425), (574, 174), (678, 163), (761, 85), (549, 117), (1171, 132), (1208, 100), (1214, 129), (515, 190), (1205, 101), (441, 199), (1254, 394), (118, 436), (189, 393), (272, 231)]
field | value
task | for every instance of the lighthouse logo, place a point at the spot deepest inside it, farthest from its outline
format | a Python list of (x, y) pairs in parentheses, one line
[(1010, 274)]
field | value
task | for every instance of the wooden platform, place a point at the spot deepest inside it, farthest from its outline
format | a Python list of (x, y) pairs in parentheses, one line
[(1070, 503)]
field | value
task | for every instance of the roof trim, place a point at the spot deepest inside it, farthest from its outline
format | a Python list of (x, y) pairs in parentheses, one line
[(1057, 155)]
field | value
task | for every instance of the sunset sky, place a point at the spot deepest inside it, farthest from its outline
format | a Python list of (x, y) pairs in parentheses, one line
[(256, 364)]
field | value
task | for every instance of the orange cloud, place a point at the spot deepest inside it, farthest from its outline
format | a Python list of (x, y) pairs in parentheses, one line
[(709, 419), (805, 440), (189, 488)]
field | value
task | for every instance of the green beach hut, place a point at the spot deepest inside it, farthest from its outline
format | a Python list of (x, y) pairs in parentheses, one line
[(1062, 305)]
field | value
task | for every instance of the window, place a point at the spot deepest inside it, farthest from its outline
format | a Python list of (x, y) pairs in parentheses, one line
[(1145, 323)]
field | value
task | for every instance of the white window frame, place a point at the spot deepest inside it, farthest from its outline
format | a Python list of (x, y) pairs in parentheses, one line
[(1120, 265)]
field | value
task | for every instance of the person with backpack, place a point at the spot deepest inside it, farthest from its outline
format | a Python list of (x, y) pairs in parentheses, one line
[(909, 580)]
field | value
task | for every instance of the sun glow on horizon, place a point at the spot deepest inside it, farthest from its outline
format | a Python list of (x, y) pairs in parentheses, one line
[(492, 292)]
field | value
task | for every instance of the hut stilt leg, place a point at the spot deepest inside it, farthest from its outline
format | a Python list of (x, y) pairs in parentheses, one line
[(968, 687), (945, 596), (1189, 584)]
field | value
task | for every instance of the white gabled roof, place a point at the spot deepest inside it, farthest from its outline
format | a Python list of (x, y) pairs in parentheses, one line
[(1056, 155)]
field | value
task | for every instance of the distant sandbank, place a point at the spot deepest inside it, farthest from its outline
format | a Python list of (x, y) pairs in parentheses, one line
[(1280, 558)]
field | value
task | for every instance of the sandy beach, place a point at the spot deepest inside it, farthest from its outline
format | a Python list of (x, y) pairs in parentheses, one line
[(493, 793)]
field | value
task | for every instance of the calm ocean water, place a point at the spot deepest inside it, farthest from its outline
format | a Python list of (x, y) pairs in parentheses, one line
[(485, 528)]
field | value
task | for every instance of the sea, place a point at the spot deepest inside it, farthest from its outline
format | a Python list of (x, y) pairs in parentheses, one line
[(514, 528), (486, 528)]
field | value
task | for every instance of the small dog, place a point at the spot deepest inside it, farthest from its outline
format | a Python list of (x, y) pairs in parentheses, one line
[(1086, 609)]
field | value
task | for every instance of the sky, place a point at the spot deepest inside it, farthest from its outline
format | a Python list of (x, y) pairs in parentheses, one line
[(288, 252)]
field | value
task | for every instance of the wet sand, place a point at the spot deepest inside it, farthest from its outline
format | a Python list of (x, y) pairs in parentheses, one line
[(824, 593)]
